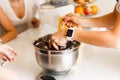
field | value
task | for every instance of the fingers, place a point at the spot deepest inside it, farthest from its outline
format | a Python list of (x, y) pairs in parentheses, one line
[(10, 56), (71, 20), (7, 53), (59, 42), (55, 46), (54, 43), (7, 56), (68, 15), (4, 58), (12, 51), (68, 19)]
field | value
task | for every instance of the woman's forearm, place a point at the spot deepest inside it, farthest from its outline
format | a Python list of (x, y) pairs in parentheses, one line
[(97, 38), (8, 26), (10, 35), (107, 20)]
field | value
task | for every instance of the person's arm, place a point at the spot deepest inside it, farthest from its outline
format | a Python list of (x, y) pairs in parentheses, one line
[(110, 38), (5, 22), (107, 20)]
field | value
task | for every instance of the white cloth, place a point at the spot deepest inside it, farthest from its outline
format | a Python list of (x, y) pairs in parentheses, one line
[(30, 6), (30, 9)]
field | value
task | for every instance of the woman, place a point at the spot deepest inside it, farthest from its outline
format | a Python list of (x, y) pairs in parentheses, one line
[(109, 38), (20, 12)]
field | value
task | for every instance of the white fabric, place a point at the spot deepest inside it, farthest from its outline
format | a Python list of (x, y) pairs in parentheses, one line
[(30, 6)]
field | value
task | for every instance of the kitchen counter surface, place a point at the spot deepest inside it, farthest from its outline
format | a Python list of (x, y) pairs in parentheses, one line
[(94, 63)]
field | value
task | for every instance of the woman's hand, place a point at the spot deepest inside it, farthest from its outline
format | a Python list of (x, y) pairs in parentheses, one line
[(59, 39), (7, 53), (36, 22), (72, 20)]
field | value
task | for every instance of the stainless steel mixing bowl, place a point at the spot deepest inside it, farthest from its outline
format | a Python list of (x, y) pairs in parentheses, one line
[(57, 61)]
